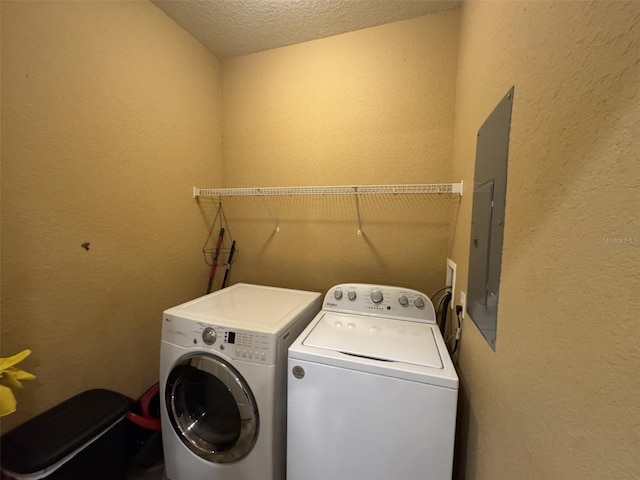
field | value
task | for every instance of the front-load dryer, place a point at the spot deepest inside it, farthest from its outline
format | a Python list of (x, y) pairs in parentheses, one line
[(223, 381), (372, 390)]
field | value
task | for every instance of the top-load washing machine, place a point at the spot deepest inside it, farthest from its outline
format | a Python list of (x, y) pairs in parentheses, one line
[(372, 390), (223, 381)]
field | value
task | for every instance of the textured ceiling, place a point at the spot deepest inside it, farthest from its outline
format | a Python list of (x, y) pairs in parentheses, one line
[(238, 27)]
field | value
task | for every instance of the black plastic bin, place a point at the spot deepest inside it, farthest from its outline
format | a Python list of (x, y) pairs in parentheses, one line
[(82, 438)]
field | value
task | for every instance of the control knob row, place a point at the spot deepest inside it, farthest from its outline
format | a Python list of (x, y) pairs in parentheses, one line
[(378, 297), (351, 294), (404, 301)]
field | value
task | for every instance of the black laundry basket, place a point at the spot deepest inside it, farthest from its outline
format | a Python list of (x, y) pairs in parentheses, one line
[(81, 438)]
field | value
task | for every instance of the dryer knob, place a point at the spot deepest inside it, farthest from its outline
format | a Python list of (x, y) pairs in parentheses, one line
[(209, 336), (419, 302), (337, 294), (403, 300), (352, 295), (376, 296)]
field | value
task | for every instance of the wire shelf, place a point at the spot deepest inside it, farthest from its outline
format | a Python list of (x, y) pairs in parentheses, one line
[(355, 190), (430, 188)]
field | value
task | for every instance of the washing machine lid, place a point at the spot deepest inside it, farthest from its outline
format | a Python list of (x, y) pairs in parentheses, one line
[(252, 307), (377, 338)]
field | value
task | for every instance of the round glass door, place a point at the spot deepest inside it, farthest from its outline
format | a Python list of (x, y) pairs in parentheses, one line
[(211, 408)]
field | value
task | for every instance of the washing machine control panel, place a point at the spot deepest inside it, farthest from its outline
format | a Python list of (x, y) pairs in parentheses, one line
[(237, 344), (380, 300)]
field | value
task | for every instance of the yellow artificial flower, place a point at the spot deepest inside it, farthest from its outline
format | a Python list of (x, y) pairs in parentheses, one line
[(10, 377)]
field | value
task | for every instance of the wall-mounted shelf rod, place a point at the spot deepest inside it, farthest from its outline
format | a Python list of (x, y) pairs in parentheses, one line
[(446, 188)]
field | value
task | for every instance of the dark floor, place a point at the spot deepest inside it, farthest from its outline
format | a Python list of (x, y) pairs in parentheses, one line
[(152, 473)]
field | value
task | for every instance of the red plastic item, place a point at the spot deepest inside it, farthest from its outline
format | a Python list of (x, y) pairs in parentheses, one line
[(146, 420)]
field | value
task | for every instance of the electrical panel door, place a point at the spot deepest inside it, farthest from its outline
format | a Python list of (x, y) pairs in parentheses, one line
[(487, 219)]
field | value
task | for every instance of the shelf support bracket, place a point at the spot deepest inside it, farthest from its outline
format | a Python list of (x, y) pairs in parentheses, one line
[(355, 196), (273, 217)]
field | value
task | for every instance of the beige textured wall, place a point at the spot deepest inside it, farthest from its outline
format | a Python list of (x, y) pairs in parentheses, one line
[(110, 114), (368, 107), (558, 400)]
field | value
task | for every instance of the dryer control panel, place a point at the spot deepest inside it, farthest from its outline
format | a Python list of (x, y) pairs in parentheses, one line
[(381, 301), (237, 344)]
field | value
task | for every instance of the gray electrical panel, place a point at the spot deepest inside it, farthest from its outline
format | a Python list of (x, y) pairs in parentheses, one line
[(487, 219)]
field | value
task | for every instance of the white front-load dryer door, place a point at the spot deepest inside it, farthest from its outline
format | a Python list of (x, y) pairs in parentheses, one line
[(211, 408)]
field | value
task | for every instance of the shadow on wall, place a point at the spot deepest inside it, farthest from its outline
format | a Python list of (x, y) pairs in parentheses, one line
[(466, 434)]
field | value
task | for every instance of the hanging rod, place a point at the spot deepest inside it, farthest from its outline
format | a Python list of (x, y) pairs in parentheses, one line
[(452, 188)]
